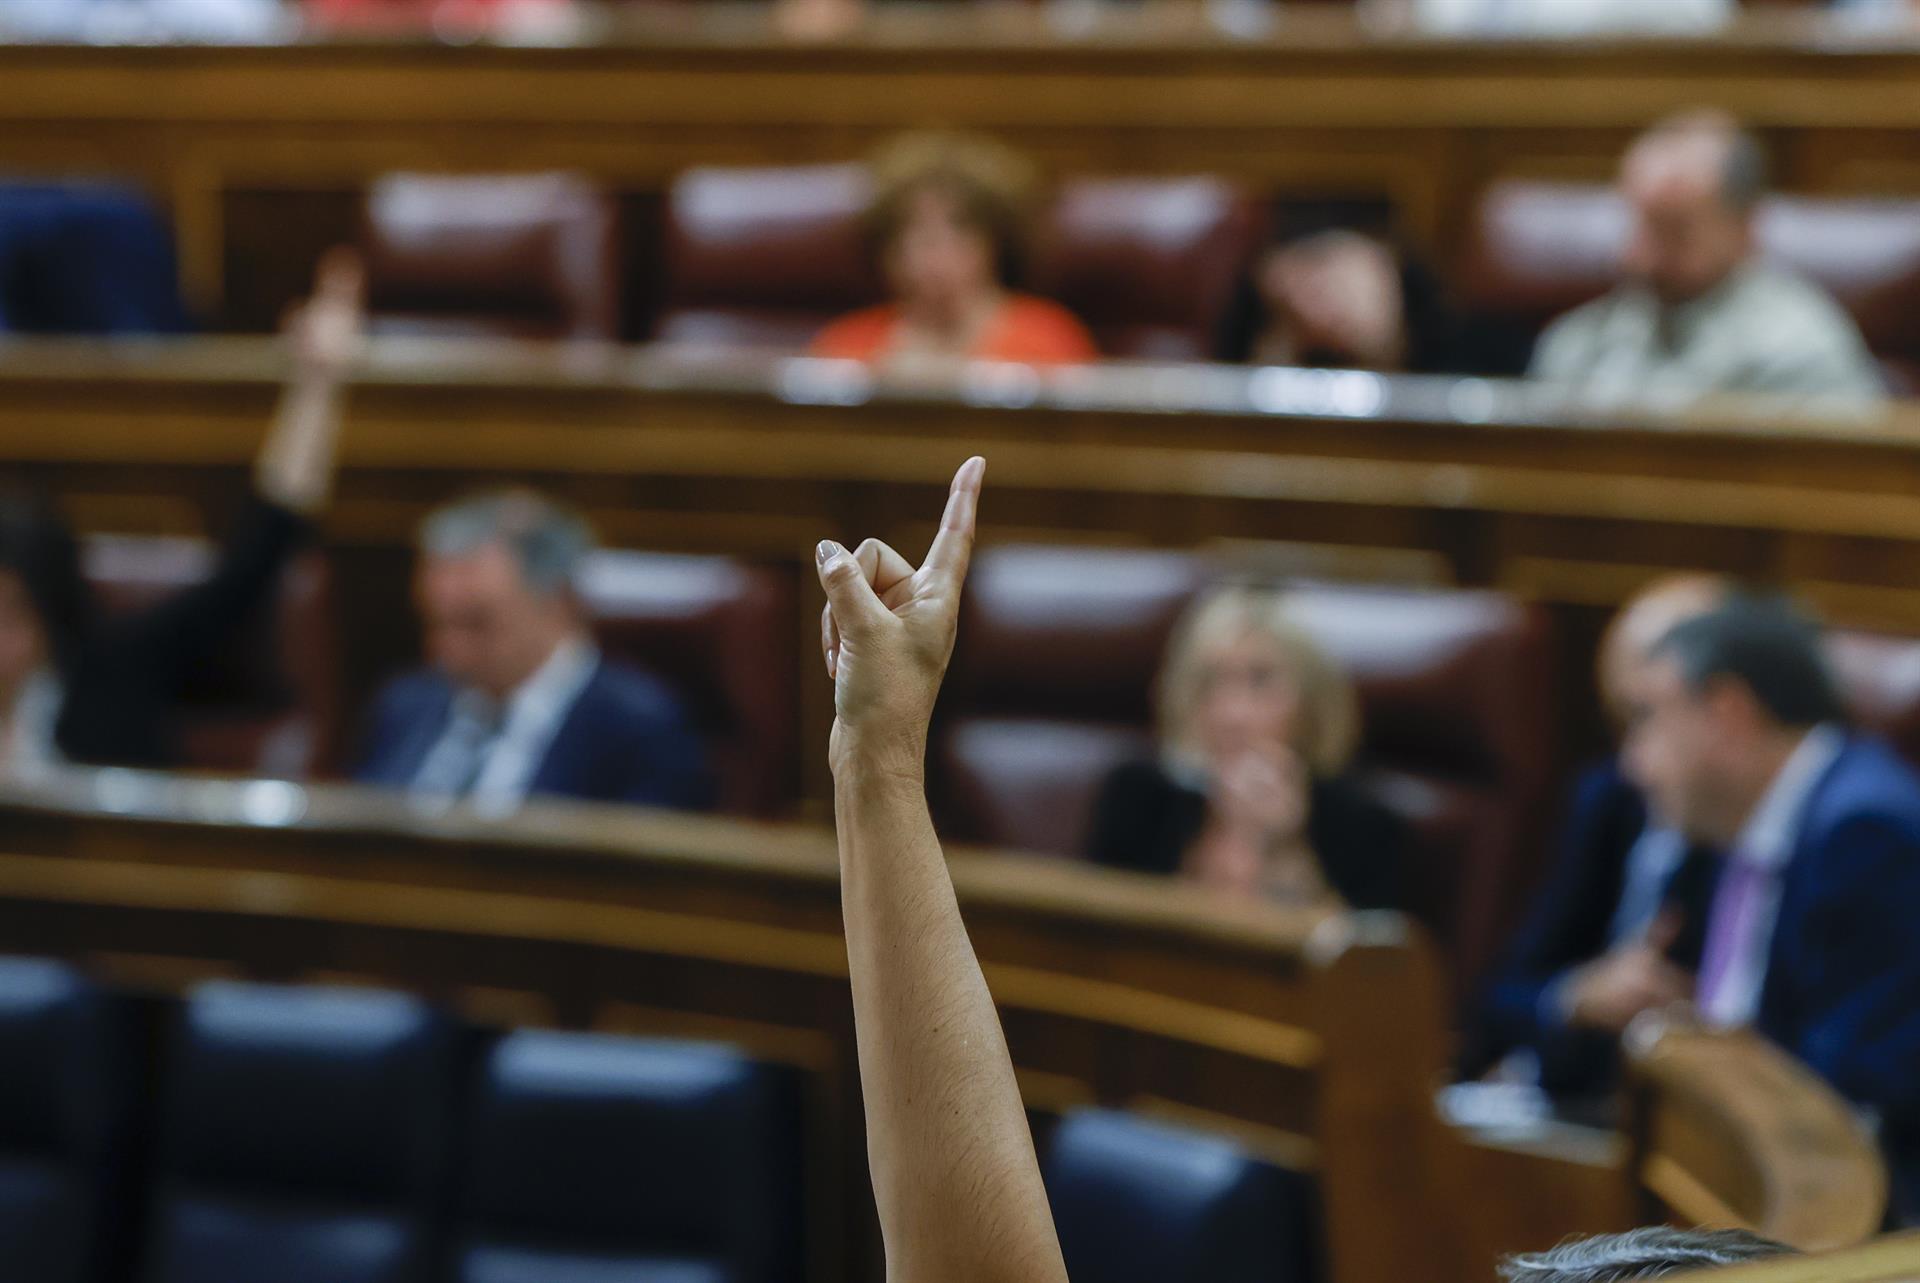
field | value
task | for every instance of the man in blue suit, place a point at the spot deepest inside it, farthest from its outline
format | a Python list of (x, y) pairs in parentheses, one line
[(518, 701), (1620, 924), (1736, 735)]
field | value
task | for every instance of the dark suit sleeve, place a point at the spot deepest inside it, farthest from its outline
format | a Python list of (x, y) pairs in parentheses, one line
[(1854, 970), (1139, 820), (667, 763), (165, 642), (1567, 926), (1361, 845), (382, 732)]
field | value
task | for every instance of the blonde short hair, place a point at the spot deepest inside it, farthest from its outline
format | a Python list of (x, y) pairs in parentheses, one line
[(1329, 730)]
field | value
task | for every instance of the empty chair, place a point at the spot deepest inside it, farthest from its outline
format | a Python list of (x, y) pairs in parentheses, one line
[(1052, 682), (63, 1108), (512, 255), (303, 1135), (1149, 263), (268, 703), (1879, 679), (717, 630), (602, 1159), (764, 256), (1142, 1202), (1539, 249)]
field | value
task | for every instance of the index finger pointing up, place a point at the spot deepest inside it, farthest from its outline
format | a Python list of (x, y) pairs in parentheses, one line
[(953, 546)]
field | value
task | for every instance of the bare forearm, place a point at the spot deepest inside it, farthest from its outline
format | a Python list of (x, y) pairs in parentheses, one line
[(295, 468), (955, 1177)]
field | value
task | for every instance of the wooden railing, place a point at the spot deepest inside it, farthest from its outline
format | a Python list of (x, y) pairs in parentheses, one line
[(1352, 476), (1314, 1040), (1732, 1132)]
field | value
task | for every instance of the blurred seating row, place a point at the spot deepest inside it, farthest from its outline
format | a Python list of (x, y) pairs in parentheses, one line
[(316, 1134), (766, 256), (342, 1135), (1051, 688), (270, 702)]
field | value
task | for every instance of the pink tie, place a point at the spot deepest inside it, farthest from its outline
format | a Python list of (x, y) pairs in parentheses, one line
[(1730, 928)]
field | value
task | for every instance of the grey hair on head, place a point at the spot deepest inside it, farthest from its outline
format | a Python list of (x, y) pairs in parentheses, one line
[(1745, 175), (1640, 1254), (548, 541)]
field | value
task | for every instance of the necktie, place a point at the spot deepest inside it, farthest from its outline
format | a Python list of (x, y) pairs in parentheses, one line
[(1730, 929), (458, 760)]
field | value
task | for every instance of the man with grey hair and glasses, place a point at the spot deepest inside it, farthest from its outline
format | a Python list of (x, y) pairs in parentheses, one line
[(518, 700), (1700, 312)]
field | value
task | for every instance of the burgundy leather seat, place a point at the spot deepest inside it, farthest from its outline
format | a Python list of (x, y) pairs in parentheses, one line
[(268, 703), (1051, 687), (1879, 676), (1539, 249), (513, 255), (1148, 263), (764, 257), (720, 632)]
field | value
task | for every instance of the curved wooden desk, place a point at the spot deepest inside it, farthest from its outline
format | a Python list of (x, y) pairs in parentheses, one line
[(1315, 1040), (1730, 1132), (1345, 476), (1895, 1259)]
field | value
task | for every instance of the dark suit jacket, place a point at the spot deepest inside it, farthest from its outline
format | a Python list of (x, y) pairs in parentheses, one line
[(1842, 990), (123, 682), (1144, 821), (1569, 925), (626, 739)]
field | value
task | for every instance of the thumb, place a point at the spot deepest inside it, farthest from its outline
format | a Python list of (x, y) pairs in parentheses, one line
[(849, 595), (1665, 931)]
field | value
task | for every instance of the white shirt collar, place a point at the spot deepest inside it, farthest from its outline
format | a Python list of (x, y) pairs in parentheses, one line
[(548, 688), (1773, 829), (555, 684)]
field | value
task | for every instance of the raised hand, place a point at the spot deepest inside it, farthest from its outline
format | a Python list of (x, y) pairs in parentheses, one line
[(326, 332), (954, 1178), (887, 633), (296, 464), (1610, 992)]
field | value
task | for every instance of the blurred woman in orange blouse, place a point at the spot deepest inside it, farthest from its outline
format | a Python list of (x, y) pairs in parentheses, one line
[(947, 227)]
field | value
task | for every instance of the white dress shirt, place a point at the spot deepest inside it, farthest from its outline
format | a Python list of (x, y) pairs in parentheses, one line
[(1656, 856), (1768, 840), (491, 750)]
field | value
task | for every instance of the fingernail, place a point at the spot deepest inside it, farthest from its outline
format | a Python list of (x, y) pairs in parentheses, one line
[(824, 553)]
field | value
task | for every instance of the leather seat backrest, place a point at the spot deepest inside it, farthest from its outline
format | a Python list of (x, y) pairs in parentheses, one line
[(64, 1104), (268, 701), (766, 256), (303, 1137), (1142, 1202), (515, 255), (1149, 263), (1879, 677), (720, 632), (639, 1157)]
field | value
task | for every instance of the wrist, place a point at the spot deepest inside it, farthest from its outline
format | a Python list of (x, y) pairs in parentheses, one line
[(863, 757)]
